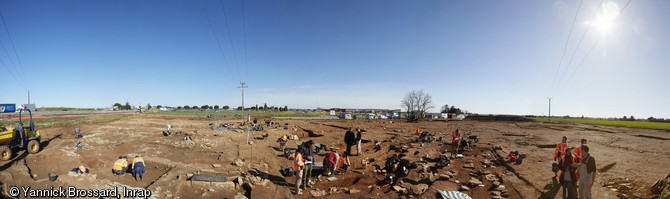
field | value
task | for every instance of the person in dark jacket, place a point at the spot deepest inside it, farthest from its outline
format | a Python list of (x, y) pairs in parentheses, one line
[(567, 176), (359, 137), (349, 139), (308, 156)]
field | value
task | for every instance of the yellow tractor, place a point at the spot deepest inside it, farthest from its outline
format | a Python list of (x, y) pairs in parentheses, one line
[(22, 137)]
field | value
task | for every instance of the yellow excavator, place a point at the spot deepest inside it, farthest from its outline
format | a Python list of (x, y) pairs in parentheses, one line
[(22, 137)]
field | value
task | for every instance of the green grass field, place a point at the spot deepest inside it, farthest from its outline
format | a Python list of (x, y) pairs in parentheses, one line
[(64, 108), (65, 120), (197, 113), (635, 124)]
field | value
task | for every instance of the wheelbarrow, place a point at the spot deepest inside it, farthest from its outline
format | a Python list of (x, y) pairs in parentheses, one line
[(265, 136), (320, 147)]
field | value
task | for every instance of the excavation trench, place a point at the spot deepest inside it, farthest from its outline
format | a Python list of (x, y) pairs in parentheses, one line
[(545, 146), (653, 137)]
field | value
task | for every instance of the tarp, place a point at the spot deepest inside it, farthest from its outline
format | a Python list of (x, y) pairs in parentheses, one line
[(453, 195), (459, 117), (206, 178)]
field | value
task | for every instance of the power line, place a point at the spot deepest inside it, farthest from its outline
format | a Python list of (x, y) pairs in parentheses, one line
[(11, 73), (590, 50), (18, 80), (565, 47), (219, 45), (593, 17), (582, 62), (244, 25), (13, 47), (230, 38)]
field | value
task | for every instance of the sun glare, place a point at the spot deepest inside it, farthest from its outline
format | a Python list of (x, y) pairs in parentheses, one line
[(605, 20)]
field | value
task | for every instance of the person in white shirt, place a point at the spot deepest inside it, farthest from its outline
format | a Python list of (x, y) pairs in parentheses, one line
[(587, 173)]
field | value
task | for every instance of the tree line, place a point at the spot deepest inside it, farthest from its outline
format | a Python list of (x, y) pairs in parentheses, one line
[(265, 107)]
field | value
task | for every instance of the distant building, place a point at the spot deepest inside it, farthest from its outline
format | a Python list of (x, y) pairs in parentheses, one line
[(368, 110), (30, 107)]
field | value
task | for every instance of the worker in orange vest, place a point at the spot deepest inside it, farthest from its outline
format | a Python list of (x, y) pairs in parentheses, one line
[(81, 169), (560, 148), (138, 167), (568, 176), (298, 165), (120, 166), (455, 142), (344, 162), (578, 151)]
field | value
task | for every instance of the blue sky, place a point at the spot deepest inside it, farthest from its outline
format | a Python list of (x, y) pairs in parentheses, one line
[(482, 56)]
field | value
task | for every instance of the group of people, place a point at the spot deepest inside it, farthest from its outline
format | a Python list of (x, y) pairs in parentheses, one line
[(575, 165), (303, 158), (350, 140), (121, 166), (187, 136)]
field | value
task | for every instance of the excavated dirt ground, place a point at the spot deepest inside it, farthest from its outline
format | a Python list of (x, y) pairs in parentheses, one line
[(629, 159)]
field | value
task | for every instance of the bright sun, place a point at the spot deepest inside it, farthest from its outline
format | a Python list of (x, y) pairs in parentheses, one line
[(605, 20)]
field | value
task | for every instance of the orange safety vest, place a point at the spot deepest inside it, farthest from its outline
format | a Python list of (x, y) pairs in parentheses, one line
[(455, 136), (578, 154), (282, 139), (291, 156), (560, 175), (417, 131), (512, 157), (136, 160), (82, 168), (120, 164), (560, 149), (298, 163), (345, 160)]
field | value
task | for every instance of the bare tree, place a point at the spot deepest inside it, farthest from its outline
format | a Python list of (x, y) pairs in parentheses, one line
[(409, 101), (417, 100)]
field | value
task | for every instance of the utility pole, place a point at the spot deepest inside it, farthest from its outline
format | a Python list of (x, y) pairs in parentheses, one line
[(243, 87), (28, 96), (549, 108)]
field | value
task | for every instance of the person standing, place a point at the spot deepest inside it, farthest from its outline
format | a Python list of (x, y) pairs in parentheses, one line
[(578, 151), (568, 176), (560, 149), (349, 138), (358, 141), (308, 150), (455, 142), (298, 166), (587, 173), (169, 129)]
